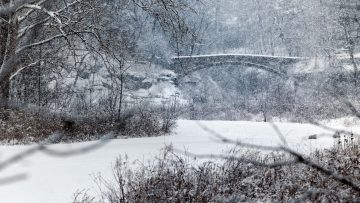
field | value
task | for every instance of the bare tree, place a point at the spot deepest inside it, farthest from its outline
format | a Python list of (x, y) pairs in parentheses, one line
[(41, 24)]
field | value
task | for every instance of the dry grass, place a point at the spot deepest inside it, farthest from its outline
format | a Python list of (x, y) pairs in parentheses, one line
[(18, 126)]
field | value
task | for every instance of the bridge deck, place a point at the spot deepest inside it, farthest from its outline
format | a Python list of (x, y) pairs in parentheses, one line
[(237, 55)]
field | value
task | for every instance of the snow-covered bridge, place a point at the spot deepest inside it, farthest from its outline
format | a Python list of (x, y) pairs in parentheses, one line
[(184, 65)]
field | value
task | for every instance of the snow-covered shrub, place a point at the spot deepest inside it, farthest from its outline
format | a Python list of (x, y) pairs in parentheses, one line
[(174, 178), (147, 120), (22, 125)]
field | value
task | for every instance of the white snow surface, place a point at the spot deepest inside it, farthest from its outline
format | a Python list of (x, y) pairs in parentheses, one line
[(54, 179)]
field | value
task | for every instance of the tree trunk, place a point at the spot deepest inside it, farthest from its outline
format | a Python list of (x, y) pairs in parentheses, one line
[(8, 40), (4, 94), (121, 96), (353, 62)]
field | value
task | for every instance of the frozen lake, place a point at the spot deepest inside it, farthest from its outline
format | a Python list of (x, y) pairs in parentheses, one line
[(55, 179)]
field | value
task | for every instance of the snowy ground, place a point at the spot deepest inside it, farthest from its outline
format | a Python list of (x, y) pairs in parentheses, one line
[(54, 179)]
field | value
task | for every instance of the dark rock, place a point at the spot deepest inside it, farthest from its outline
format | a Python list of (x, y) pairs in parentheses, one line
[(336, 135), (312, 137)]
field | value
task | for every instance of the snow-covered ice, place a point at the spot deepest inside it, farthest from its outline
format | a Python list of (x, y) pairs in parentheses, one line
[(55, 179)]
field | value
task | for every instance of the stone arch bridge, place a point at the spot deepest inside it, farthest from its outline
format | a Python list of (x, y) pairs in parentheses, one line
[(184, 65)]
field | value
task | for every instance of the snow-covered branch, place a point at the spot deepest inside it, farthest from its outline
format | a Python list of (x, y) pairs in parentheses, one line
[(19, 50)]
